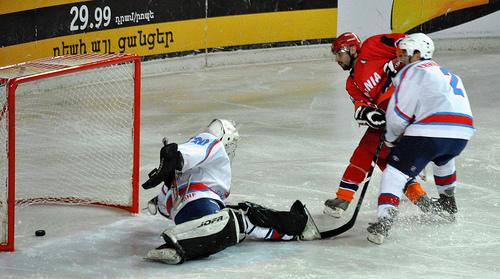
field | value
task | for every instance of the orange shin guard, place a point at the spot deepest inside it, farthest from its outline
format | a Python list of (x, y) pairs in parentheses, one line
[(345, 194), (414, 191)]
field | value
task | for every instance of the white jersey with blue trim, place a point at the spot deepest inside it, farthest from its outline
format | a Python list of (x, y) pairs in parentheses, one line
[(206, 174), (428, 101)]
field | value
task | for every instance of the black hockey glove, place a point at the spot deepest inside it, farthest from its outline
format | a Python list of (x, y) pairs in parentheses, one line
[(170, 160), (373, 117)]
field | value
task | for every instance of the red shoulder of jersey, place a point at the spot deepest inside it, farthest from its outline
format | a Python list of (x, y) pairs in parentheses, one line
[(368, 73), (381, 46)]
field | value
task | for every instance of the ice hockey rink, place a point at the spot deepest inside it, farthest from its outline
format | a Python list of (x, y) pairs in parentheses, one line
[(297, 134)]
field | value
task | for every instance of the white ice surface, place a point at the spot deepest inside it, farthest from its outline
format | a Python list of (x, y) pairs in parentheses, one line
[(297, 134)]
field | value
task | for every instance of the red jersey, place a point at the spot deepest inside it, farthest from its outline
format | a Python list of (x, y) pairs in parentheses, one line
[(368, 83)]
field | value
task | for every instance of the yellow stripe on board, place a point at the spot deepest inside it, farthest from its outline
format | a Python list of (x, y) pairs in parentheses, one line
[(12, 6), (407, 15), (162, 38), (272, 27)]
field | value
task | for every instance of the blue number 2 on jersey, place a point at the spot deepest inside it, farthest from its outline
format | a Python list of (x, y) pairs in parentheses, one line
[(453, 81)]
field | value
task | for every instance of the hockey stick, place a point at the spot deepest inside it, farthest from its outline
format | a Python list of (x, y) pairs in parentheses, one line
[(347, 226)]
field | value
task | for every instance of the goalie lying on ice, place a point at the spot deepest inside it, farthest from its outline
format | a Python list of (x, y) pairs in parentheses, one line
[(196, 178)]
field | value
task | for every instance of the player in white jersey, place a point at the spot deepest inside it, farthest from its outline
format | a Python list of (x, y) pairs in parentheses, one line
[(429, 119), (196, 178)]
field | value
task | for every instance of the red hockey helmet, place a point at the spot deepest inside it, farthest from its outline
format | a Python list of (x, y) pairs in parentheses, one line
[(345, 41)]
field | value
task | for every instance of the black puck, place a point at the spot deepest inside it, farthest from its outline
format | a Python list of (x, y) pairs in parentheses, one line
[(40, 233)]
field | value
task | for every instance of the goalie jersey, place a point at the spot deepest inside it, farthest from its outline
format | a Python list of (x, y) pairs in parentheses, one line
[(429, 101), (206, 174)]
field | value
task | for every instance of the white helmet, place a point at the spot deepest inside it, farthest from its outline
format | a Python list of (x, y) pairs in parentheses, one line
[(226, 132), (417, 41)]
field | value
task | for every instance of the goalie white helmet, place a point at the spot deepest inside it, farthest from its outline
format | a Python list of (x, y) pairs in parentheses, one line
[(417, 41), (226, 132)]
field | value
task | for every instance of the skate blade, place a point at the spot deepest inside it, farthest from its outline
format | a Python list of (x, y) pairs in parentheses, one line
[(376, 238), (335, 213), (167, 255)]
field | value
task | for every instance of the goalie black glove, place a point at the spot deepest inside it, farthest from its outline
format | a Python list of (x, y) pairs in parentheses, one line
[(170, 161), (371, 116)]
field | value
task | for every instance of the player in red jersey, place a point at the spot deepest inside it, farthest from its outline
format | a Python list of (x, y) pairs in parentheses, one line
[(369, 86)]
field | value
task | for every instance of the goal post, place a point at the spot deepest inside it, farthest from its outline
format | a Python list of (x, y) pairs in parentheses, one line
[(69, 134)]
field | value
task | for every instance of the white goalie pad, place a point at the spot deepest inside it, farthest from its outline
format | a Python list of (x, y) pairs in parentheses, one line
[(204, 236), (206, 226)]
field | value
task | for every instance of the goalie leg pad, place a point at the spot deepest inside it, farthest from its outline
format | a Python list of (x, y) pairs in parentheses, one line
[(205, 236), (290, 222)]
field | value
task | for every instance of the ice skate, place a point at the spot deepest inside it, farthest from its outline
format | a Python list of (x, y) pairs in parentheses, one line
[(378, 231), (311, 231), (425, 204), (164, 254), (335, 207), (445, 206)]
